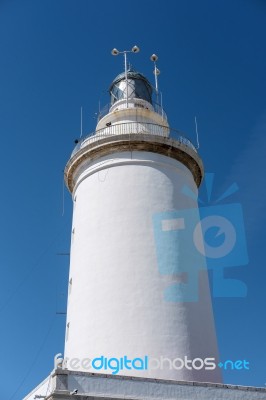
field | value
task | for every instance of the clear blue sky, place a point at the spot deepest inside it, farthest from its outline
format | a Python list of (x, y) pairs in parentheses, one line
[(55, 57)]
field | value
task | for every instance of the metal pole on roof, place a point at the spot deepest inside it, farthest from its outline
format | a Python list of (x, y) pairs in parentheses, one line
[(115, 52), (81, 122), (125, 56), (156, 72)]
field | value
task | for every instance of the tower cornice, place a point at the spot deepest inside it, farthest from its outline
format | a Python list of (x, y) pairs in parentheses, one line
[(101, 146)]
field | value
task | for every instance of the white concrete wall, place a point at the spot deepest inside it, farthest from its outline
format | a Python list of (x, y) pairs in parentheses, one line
[(116, 306), (116, 387)]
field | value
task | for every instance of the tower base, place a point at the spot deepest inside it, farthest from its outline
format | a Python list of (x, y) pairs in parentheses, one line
[(63, 384)]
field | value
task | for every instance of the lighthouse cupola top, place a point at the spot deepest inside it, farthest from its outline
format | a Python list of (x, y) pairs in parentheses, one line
[(132, 97), (130, 85)]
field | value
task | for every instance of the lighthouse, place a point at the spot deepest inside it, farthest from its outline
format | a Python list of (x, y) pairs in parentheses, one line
[(138, 290), (139, 316)]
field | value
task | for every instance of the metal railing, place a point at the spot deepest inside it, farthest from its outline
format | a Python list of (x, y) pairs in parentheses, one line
[(137, 104), (140, 128)]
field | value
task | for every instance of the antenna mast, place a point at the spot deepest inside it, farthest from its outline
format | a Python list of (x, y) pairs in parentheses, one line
[(197, 134), (156, 72), (81, 122), (115, 52)]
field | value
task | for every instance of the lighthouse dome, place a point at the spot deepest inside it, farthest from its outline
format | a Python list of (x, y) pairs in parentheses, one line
[(138, 87)]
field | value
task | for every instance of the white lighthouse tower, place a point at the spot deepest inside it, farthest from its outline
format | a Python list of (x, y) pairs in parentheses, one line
[(132, 287), (139, 317)]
